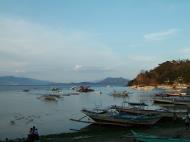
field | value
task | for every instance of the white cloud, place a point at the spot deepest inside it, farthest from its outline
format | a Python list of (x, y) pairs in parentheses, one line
[(157, 36), (33, 50), (77, 67), (91, 69)]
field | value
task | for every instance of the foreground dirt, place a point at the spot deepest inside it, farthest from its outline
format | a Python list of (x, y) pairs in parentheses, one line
[(95, 133)]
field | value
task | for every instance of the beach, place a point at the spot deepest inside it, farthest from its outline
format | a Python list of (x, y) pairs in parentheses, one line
[(96, 133)]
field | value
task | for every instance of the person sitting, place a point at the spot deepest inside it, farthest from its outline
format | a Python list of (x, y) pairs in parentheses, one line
[(187, 121), (36, 134), (33, 129), (30, 135), (33, 135)]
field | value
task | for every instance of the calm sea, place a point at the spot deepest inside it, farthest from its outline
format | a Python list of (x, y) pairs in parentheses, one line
[(21, 110)]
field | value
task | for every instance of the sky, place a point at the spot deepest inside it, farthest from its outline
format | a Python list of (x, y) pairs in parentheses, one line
[(88, 40)]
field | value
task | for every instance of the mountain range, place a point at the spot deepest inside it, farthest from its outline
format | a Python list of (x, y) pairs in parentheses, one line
[(12, 80)]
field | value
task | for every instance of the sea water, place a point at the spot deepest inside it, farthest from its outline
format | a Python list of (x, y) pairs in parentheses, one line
[(19, 110)]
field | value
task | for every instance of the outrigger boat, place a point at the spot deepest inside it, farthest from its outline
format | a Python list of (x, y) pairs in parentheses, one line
[(113, 117), (171, 101), (140, 109), (172, 94), (151, 138), (164, 113)]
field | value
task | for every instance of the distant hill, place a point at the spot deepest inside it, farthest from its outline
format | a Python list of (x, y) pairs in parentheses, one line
[(169, 72), (11, 80), (114, 81), (107, 81)]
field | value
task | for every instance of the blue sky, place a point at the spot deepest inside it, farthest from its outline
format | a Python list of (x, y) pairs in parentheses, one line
[(83, 40)]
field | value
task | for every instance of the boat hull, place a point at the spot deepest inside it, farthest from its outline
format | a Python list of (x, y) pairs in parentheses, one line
[(122, 120)]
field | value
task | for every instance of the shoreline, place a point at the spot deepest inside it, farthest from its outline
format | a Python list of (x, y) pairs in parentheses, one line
[(96, 133), (160, 86)]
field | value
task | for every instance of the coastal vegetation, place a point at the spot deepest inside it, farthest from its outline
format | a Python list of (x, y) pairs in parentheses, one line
[(167, 73)]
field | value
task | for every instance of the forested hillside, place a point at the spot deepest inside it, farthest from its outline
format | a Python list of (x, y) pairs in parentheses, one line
[(169, 72)]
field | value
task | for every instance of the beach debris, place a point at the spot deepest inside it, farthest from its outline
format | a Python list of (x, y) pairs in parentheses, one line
[(50, 98), (24, 118), (26, 90), (12, 122), (19, 117)]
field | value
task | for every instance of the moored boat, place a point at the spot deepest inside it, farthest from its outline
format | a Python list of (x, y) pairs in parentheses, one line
[(84, 89), (174, 101), (114, 117), (164, 113), (171, 94)]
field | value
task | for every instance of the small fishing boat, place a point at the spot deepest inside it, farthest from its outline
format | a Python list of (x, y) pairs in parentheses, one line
[(56, 91), (137, 104), (176, 94), (175, 101), (164, 113), (114, 117), (84, 89), (171, 94), (152, 138)]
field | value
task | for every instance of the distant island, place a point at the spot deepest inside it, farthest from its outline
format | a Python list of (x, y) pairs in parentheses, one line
[(12, 80), (176, 72)]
